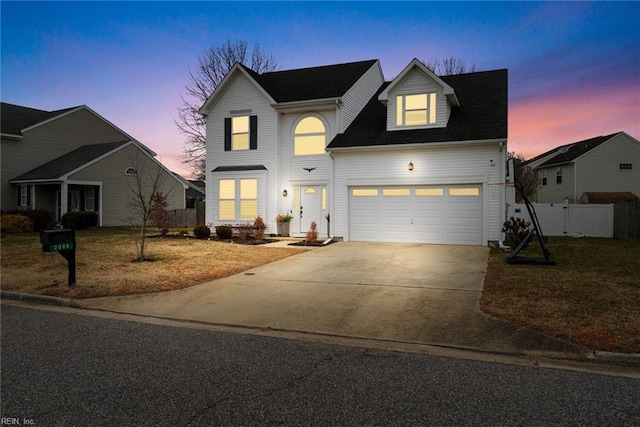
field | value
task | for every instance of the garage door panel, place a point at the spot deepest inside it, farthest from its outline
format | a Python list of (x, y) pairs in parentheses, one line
[(418, 214)]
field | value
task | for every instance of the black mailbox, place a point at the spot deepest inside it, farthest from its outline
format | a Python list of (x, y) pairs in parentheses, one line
[(63, 242), (57, 236)]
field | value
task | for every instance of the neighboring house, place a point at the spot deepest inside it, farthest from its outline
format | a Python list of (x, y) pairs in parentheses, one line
[(604, 164), (418, 159), (74, 159)]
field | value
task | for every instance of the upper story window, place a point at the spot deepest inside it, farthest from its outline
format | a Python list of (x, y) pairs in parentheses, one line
[(241, 133), (543, 177), (131, 171), (625, 166), (558, 175), (416, 110), (309, 137)]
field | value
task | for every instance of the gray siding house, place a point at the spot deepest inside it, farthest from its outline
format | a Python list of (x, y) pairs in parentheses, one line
[(74, 159), (420, 158), (603, 164)]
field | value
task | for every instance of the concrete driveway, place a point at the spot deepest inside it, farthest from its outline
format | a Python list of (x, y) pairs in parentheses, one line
[(411, 293)]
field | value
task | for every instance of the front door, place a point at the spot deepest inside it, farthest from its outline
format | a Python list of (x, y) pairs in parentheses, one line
[(311, 207)]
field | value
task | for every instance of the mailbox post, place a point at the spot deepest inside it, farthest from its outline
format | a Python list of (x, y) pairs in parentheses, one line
[(64, 242)]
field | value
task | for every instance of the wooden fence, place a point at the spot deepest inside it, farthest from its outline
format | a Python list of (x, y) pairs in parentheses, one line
[(186, 218), (626, 220)]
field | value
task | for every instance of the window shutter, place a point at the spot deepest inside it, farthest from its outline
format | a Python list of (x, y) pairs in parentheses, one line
[(253, 132), (227, 134)]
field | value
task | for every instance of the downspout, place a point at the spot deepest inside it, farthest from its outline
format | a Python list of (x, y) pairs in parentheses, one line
[(575, 180)]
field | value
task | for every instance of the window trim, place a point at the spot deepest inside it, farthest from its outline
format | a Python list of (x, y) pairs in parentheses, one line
[(559, 175), (239, 199), (309, 134), (430, 110), (24, 195), (253, 132)]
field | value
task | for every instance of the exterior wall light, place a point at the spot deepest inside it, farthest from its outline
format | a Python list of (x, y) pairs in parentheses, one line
[(284, 193), (410, 166)]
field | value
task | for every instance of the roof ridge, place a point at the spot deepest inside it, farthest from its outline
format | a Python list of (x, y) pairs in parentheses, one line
[(317, 67)]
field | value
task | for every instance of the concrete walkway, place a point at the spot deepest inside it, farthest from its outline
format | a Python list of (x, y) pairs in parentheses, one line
[(410, 293)]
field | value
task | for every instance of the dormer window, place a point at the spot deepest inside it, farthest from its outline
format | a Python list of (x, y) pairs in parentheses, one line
[(416, 109)]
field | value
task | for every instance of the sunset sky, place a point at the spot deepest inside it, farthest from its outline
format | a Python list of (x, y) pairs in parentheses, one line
[(574, 67)]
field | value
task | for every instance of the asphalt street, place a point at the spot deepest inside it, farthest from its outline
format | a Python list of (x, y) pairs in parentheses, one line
[(62, 369)]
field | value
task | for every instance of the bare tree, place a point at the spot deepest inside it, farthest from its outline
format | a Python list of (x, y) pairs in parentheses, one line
[(213, 65), (144, 184), (527, 176), (449, 66)]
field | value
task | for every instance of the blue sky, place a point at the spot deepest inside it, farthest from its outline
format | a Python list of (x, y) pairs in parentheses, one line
[(574, 67)]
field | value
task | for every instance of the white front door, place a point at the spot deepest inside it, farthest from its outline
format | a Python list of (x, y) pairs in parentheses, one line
[(311, 207)]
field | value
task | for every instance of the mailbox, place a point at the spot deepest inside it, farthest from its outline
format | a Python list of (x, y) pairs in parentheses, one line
[(63, 242), (57, 240)]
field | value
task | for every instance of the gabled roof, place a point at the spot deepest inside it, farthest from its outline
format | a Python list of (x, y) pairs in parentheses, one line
[(569, 152), (57, 168), (15, 118), (304, 84), (482, 115), (415, 63)]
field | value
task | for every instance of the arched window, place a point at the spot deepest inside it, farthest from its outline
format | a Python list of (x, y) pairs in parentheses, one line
[(309, 137), (131, 171)]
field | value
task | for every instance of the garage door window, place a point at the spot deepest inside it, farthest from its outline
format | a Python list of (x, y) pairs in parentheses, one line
[(429, 192), (464, 192), (396, 192), (365, 192)]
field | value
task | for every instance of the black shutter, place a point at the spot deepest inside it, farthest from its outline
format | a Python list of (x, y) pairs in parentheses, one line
[(253, 132), (227, 134)]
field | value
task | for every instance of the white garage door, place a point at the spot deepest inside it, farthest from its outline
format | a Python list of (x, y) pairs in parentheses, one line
[(447, 214)]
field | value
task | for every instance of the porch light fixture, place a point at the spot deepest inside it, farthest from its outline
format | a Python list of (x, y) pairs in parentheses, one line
[(410, 166), (284, 193)]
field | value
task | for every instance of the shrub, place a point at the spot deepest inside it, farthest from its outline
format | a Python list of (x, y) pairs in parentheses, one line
[(41, 219), (244, 230), (79, 220), (516, 230), (259, 226), (15, 223), (312, 235), (224, 231), (282, 218), (202, 232)]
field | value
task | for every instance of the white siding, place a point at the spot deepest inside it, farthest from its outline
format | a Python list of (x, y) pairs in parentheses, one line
[(450, 164), (417, 82), (357, 97), (242, 94)]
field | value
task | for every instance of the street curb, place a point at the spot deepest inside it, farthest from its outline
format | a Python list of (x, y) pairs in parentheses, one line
[(622, 359), (41, 299), (596, 357)]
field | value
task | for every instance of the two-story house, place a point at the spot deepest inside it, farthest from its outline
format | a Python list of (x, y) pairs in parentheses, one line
[(74, 159), (604, 166), (418, 159)]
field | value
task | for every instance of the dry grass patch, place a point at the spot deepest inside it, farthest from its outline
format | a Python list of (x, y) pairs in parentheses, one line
[(105, 265), (592, 297)]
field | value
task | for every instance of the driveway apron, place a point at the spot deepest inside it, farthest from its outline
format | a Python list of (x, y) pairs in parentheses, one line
[(412, 293)]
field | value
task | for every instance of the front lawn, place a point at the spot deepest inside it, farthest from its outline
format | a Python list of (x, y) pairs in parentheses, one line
[(105, 267), (592, 297)]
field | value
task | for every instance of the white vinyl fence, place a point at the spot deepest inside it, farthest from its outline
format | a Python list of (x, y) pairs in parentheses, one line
[(569, 219)]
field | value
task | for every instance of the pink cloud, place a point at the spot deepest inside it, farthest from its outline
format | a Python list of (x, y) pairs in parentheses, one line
[(538, 125)]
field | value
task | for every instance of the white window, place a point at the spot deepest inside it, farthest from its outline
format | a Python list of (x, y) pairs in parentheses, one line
[(241, 193), (559, 175), (240, 133), (227, 199), (24, 195), (89, 199), (416, 110), (309, 137)]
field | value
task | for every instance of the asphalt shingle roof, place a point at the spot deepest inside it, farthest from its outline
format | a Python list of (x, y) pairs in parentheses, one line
[(482, 115), (569, 152), (329, 81), (14, 118), (69, 162)]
